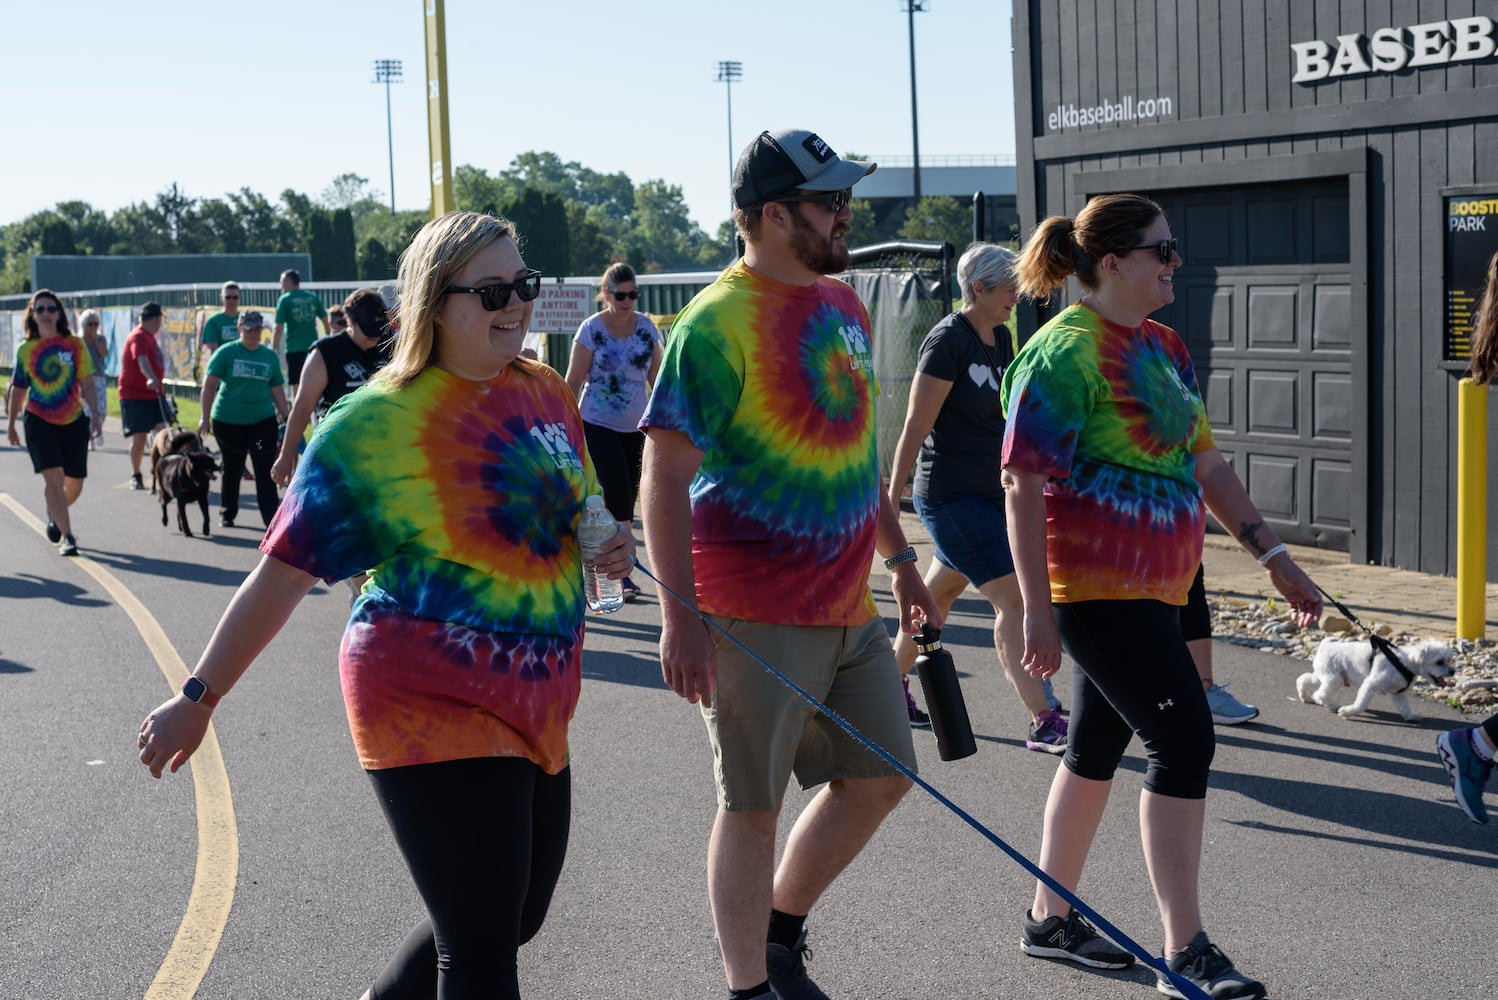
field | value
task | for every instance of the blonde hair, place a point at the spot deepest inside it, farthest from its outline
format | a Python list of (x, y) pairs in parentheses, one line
[(438, 251)]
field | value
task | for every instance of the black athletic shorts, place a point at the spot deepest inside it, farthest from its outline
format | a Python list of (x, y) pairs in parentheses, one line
[(51, 445)]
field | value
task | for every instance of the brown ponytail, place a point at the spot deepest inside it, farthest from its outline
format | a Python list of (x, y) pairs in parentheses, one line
[(1060, 247)]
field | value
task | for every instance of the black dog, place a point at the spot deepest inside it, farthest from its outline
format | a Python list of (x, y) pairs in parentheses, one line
[(184, 476)]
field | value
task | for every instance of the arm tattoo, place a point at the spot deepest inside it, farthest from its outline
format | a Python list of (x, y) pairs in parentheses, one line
[(1248, 534)]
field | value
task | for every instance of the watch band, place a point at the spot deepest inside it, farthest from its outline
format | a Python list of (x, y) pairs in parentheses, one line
[(195, 690), (901, 557)]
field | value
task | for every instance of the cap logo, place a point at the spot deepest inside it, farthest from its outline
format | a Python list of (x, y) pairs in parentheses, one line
[(814, 145)]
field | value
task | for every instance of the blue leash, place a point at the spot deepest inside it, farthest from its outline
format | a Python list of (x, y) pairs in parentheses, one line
[(1187, 989)]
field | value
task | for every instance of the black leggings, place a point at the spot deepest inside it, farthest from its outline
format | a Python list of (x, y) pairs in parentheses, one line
[(1135, 676), (616, 460), (484, 839), (257, 442)]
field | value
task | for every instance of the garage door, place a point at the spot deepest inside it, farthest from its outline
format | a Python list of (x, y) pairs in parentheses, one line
[(1263, 303)]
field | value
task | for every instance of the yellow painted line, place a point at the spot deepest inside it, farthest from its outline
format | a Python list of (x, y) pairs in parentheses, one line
[(212, 894)]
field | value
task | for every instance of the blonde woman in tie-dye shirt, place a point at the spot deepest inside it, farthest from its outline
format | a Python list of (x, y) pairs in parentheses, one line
[(1107, 460), (456, 479), (51, 370)]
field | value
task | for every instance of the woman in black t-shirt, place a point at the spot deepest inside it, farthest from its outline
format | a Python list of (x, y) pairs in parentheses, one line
[(335, 367), (954, 430)]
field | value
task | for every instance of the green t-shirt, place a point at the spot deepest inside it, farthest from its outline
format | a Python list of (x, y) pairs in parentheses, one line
[(220, 329), (299, 310), (245, 380)]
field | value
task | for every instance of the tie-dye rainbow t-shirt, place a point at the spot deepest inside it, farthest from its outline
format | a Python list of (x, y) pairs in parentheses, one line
[(775, 384), (51, 370), (1113, 416), (461, 500)]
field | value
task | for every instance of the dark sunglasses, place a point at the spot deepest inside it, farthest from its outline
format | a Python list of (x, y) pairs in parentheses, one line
[(621, 296), (227, 297), (496, 296), (45, 308), (1165, 248), (833, 201)]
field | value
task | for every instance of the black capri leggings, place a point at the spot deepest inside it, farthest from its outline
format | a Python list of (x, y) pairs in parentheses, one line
[(616, 458), (485, 839), (1196, 616), (1135, 676)]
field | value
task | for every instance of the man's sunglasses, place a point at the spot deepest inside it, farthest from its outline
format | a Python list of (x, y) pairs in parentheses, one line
[(833, 201), (1165, 248), (621, 296), (496, 296)]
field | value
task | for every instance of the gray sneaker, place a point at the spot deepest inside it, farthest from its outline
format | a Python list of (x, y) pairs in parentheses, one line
[(787, 968), (1048, 734), (1227, 710), (1211, 971), (1072, 939)]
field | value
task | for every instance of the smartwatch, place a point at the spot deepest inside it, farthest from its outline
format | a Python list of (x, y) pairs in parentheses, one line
[(195, 691), (902, 557)]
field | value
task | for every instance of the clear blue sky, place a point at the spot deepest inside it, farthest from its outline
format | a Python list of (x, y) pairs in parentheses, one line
[(111, 102)]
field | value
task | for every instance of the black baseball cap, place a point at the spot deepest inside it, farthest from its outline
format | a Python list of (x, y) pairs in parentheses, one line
[(777, 163), (150, 310)]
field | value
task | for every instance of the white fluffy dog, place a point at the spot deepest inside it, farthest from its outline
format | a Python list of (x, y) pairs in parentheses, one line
[(1353, 662)]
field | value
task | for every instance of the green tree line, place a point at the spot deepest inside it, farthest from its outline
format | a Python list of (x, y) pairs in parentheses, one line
[(572, 220)]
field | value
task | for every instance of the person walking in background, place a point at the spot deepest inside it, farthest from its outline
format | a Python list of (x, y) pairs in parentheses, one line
[(142, 387), (337, 321), (336, 366), (1467, 754), (1196, 629), (96, 387), (1107, 459), (52, 367), (954, 424), (457, 479), (615, 357), (763, 508), (243, 395), (298, 312), (222, 327)]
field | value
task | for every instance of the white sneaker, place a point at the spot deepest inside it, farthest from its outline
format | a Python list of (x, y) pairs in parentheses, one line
[(1227, 710)]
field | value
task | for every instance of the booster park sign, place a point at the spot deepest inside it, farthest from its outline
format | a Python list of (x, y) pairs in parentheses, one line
[(1389, 50), (1471, 241)]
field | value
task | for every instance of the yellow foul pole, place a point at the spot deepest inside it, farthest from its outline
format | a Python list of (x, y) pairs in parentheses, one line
[(1471, 509), (437, 141)]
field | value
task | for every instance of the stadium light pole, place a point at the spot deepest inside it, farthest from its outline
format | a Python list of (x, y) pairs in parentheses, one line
[(911, 9), (388, 71), (729, 71)]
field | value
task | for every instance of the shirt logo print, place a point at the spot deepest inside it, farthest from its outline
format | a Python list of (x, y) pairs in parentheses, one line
[(856, 343), (553, 437)]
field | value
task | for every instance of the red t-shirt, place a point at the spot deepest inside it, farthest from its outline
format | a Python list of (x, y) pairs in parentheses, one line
[(140, 344)]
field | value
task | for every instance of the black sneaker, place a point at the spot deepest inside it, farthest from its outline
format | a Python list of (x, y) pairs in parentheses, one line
[(54, 533), (135, 481), (1072, 939), (787, 968), (918, 719), (225, 521), (69, 546), (1209, 969)]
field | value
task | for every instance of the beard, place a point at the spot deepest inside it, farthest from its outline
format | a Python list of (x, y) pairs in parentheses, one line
[(822, 255)]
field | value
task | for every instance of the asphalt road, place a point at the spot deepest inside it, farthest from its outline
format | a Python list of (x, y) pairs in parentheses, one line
[(1336, 864)]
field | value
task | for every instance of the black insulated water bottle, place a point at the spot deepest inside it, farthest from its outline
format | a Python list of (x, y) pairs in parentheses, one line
[(938, 674)]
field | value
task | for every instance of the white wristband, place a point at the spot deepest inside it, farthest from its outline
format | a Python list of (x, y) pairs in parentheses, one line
[(1264, 559)]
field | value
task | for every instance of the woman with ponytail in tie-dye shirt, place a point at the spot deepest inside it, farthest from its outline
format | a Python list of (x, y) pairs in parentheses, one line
[(455, 479), (1107, 460), (51, 372)]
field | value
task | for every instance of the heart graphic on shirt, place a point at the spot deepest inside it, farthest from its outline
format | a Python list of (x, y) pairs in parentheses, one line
[(982, 375)]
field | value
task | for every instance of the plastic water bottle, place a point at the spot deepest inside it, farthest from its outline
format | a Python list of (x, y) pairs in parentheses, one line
[(938, 674), (595, 527)]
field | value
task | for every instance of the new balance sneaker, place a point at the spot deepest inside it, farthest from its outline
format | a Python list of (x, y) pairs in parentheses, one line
[(135, 481), (1468, 772), (1204, 964), (69, 546), (1048, 734), (1050, 695), (787, 968), (1227, 710), (1072, 939), (54, 533), (918, 719)]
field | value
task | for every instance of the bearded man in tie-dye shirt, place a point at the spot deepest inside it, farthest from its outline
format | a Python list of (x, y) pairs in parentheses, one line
[(763, 505)]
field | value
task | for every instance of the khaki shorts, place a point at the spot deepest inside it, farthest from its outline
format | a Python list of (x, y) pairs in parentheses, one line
[(762, 731)]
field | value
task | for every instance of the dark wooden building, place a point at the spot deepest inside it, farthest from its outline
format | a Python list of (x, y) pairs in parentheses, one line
[(1331, 170)]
